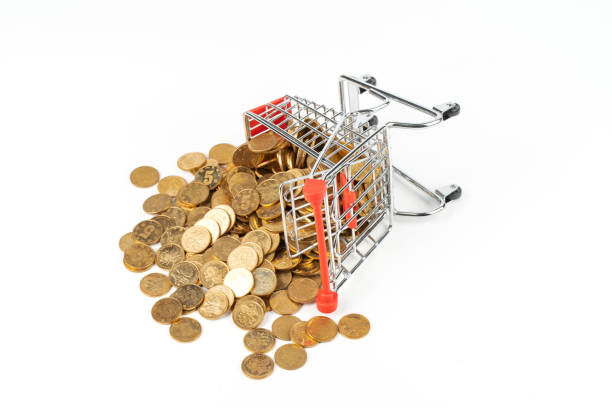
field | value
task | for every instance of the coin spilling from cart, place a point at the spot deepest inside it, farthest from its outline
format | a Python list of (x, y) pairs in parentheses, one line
[(279, 221)]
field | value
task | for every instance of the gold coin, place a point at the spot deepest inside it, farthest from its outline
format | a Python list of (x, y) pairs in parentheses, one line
[(191, 161), (212, 227), (193, 194), (247, 315), (265, 282), (168, 255), (262, 238), (243, 156), (258, 251), (155, 284), (210, 176), (283, 262), (303, 290), (281, 304), (290, 356), (275, 237), (165, 221), (139, 257), (282, 326), (298, 335), (172, 235), (221, 217), (354, 326), (274, 225), (190, 296), (196, 239), (171, 185), (268, 191), (282, 176), (224, 246), (268, 265), (226, 291), (148, 232), (230, 211), (126, 241), (222, 153), (166, 310), (185, 329), (196, 215), (265, 142), (259, 340), (215, 305), (270, 212), (212, 273), (245, 202), (212, 162), (243, 257), (239, 280), (283, 279), (144, 176), (157, 203), (241, 181), (257, 366), (183, 273), (220, 197), (253, 298), (321, 329), (177, 214)]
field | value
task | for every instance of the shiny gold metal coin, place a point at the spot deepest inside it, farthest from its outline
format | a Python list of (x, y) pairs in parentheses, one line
[(253, 298), (166, 310), (148, 232), (230, 211), (196, 215), (290, 356), (268, 192), (303, 290), (354, 326), (224, 246), (212, 273), (144, 176), (220, 197), (209, 175), (183, 273), (168, 255), (212, 227), (246, 201), (215, 305), (269, 212), (257, 366), (191, 161), (258, 251), (298, 335), (283, 278), (226, 291), (239, 280), (185, 329), (196, 239), (282, 325), (283, 262), (193, 194), (243, 156), (177, 214), (275, 240), (321, 329), (222, 153), (262, 238), (248, 315), (126, 241), (281, 304), (259, 340), (274, 225), (190, 296), (165, 221), (265, 282), (221, 217), (139, 257), (171, 185), (157, 203), (155, 284), (265, 142), (243, 257), (172, 235)]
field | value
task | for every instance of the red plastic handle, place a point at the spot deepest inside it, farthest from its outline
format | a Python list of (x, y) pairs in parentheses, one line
[(348, 200)]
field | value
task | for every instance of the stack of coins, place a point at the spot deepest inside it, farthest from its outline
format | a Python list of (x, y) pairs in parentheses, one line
[(221, 246)]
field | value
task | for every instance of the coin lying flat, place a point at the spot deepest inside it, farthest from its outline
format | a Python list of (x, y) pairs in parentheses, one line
[(221, 217), (290, 356), (139, 257), (196, 215), (213, 273), (211, 226), (261, 238), (191, 161), (168, 255), (303, 290), (185, 329), (215, 305), (144, 176), (282, 326), (171, 185), (196, 239), (265, 142), (253, 298), (259, 340), (281, 304), (257, 366), (165, 221), (298, 335), (220, 197), (246, 202), (248, 315), (223, 246), (268, 192), (321, 329), (209, 175), (222, 152), (193, 194), (239, 280), (265, 282), (226, 291), (166, 310), (148, 232), (354, 326), (183, 273), (243, 257), (155, 284), (157, 203), (126, 241), (172, 235), (190, 296), (177, 214)]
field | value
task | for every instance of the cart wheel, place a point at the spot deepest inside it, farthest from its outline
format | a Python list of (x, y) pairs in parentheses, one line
[(373, 122), (367, 79), (453, 111)]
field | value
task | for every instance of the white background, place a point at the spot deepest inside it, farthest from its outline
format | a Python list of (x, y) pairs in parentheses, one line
[(503, 300)]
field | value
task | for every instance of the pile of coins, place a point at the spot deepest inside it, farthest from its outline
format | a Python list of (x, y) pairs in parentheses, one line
[(221, 245)]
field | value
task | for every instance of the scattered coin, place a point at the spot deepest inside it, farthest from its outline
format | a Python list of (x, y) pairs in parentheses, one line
[(185, 329), (177, 214), (139, 257), (283, 278), (194, 193), (290, 356), (248, 315), (213, 273), (183, 273), (321, 329), (257, 366), (243, 257), (259, 340), (281, 304), (239, 280), (196, 215), (211, 226), (354, 326), (191, 161), (166, 310), (226, 291), (222, 152), (171, 185), (172, 235), (157, 203), (298, 335), (155, 284), (168, 255), (261, 238), (148, 232), (165, 221), (246, 202), (196, 239), (126, 241), (268, 192), (224, 246), (190, 296), (282, 326), (144, 176), (221, 217), (215, 305), (253, 298), (265, 282), (303, 290), (210, 176)]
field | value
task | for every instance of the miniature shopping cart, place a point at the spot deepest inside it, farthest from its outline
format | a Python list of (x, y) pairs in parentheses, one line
[(344, 208)]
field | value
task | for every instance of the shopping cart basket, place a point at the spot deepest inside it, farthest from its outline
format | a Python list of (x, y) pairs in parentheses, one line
[(344, 208)]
